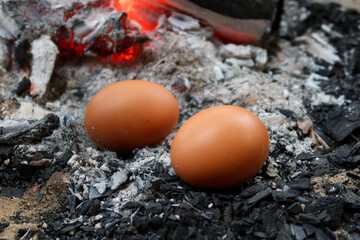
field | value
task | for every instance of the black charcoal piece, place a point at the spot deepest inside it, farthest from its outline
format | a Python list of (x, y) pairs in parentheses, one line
[(255, 199), (302, 184), (6, 151), (57, 225), (12, 192), (298, 232), (295, 208), (334, 206), (271, 221), (180, 233), (238, 227), (351, 199), (339, 122), (62, 161), (285, 233), (309, 230), (312, 218), (26, 171), (94, 207), (244, 9), (353, 175), (285, 196), (69, 228), (26, 133), (3, 226), (320, 235), (83, 207), (111, 224), (72, 205), (22, 54), (23, 87), (253, 190), (289, 113)]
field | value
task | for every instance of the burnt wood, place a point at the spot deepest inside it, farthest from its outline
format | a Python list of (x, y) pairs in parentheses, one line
[(242, 9)]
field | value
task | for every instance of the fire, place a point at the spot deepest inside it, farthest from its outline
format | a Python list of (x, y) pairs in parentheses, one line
[(144, 12)]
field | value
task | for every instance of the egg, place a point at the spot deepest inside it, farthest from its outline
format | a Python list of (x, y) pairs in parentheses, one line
[(130, 114), (220, 147)]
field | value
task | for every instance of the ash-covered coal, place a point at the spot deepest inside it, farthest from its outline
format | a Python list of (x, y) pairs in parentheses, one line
[(300, 193), (75, 27)]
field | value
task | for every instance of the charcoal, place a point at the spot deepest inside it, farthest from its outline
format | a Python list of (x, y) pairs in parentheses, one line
[(23, 87), (62, 161), (285, 196), (69, 228), (253, 190), (312, 218), (309, 230), (302, 184), (111, 224), (320, 235), (12, 192), (180, 233), (3, 226), (153, 207), (298, 232), (295, 208), (238, 227), (334, 207), (289, 113), (338, 122), (55, 225), (6, 151), (22, 54), (35, 131), (353, 175), (285, 233), (270, 226), (255, 199), (345, 156), (26, 171), (352, 200)]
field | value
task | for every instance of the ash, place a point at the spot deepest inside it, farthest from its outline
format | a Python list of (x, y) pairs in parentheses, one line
[(139, 196)]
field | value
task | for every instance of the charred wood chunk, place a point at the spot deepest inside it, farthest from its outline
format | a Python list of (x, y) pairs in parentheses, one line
[(23, 55), (30, 132), (328, 209), (244, 9), (23, 87), (6, 151)]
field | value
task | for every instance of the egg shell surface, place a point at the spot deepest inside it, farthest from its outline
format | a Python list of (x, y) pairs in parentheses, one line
[(130, 114), (220, 147)]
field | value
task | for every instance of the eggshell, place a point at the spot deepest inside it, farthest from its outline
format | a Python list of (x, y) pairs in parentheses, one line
[(130, 114), (220, 147)]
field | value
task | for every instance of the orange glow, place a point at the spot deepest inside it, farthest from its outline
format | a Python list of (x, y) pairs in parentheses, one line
[(144, 12)]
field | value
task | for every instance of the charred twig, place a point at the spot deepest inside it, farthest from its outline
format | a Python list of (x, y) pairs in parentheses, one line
[(29, 132)]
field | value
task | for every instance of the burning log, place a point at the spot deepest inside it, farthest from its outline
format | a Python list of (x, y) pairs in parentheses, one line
[(241, 21)]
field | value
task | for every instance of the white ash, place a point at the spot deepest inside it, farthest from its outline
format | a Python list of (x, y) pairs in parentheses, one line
[(317, 45), (183, 22), (213, 79), (44, 56)]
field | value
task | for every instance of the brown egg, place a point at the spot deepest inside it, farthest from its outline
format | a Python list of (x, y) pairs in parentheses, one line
[(220, 147), (130, 114)]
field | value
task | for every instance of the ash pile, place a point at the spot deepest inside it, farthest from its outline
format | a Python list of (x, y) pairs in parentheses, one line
[(304, 87)]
